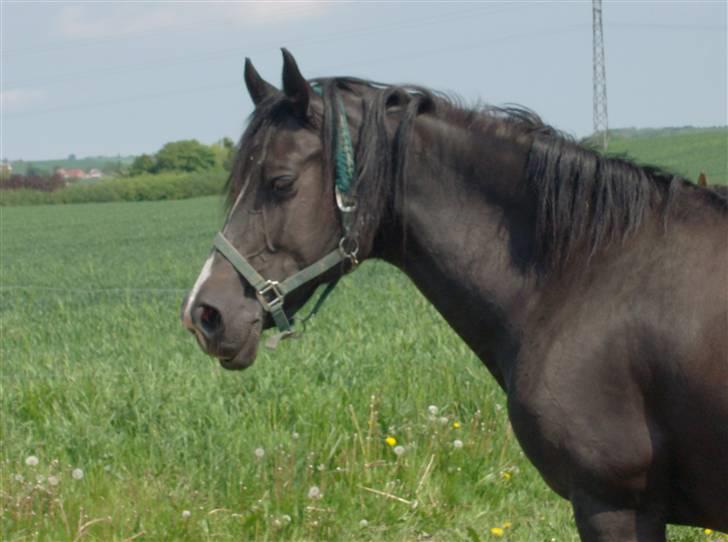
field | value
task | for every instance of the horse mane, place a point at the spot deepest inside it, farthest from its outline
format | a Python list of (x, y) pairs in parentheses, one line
[(585, 200)]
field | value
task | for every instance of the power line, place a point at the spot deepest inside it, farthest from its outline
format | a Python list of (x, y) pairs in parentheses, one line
[(379, 60), (52, 47), (229, 52)]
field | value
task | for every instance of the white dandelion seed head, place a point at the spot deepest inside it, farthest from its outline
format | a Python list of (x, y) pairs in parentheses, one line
[(285, 518), (259, 453), (31, 460), (363, 523), (53, 480), (433, 410), (186, 514), (399, 450), (77, 474), (443, 420), (321, 467), (314, 492), (277, 523), (295, 435), (457, 443), (19, 478)]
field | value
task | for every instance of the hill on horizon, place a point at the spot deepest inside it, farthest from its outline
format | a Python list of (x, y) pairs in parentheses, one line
[(685, 151), (107, 164)]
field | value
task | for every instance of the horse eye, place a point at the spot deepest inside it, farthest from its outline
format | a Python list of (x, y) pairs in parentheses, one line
[(283, 185)]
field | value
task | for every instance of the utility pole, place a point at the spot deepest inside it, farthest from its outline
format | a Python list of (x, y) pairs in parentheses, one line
[(601, 125)]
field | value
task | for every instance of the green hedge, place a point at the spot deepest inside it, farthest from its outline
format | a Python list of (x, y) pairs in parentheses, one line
[(140, 188)]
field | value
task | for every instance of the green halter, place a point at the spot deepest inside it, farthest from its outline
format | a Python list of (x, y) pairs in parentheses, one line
[(271, 294)]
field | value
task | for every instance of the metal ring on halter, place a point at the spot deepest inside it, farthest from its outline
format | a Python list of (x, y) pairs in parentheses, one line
[(351, 254)]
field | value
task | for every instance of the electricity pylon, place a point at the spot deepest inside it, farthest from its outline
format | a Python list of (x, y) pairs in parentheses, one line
[(601, 124)]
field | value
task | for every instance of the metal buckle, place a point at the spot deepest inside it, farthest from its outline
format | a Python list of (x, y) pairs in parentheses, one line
[(345, 206), (270, 302)]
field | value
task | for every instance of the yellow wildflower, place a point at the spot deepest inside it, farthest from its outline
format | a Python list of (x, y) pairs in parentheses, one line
[(507, 525), (708, 531), (497, 531), (391, 441), (506, 475), (455, 425)]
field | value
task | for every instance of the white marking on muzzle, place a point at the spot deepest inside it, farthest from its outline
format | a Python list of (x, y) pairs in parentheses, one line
[(204, 275)]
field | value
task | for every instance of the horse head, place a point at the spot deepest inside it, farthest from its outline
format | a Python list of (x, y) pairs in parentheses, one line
[(285, 232)]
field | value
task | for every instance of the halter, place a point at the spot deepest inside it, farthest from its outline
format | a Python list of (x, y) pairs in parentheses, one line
[(270, 293)]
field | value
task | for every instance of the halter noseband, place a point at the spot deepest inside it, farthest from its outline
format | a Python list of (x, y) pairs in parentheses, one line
[(270, 293)]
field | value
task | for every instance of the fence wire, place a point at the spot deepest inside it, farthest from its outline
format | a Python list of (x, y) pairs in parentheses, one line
[(127, 290)]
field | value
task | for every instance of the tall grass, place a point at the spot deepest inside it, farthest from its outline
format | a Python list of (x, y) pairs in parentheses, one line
[(98, 375)]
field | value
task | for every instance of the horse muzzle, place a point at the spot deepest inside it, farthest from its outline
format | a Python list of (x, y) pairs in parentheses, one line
[(230, 336)]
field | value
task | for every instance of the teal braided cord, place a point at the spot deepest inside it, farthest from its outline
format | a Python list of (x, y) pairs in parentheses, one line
[(344, 153), (344, 156)]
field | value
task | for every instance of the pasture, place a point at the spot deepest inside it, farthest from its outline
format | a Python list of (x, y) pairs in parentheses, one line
[(377, 424)]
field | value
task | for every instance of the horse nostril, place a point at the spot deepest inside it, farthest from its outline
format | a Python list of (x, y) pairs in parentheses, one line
[(210, 319), (207, 319)]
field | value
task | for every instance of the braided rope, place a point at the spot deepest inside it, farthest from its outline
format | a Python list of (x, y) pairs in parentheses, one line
[(344, 152)]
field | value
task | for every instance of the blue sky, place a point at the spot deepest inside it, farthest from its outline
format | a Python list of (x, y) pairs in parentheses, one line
[(109, 78)]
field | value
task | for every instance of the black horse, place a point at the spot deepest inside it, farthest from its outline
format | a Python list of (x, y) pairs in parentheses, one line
[(594, 290)]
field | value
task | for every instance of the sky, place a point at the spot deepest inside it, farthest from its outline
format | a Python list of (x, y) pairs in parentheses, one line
[(114, 77)]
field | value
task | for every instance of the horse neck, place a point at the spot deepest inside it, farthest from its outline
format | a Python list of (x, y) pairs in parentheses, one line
[(463, 233)]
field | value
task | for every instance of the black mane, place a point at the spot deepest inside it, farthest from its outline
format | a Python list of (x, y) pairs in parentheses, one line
[(585, 200)]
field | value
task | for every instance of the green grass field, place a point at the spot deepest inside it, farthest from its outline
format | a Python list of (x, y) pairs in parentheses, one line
[(98, 375), (686, 152)]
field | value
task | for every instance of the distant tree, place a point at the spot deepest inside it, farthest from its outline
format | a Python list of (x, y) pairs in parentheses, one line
[(72, 157), (143, 164), (224, 150), (36, 171), (188, 155)]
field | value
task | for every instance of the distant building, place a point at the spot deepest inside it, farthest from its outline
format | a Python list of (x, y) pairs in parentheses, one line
[(72, 173), (95, 174), (5, 167)]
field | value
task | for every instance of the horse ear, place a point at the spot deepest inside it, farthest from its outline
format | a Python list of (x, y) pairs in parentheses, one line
[(295, 87), (258, 88), (702, 180)]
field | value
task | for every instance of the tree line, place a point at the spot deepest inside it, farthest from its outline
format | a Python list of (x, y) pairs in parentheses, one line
[(186, 156)]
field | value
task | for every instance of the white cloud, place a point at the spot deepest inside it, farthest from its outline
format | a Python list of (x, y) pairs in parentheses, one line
[(18, 99), (117, 20)]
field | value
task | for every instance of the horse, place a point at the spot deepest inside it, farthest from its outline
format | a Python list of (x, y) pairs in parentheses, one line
[(592, 289), (721, 190)]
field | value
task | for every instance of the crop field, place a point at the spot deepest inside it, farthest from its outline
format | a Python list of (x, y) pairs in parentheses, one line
[(377, 424), (685, 152)]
